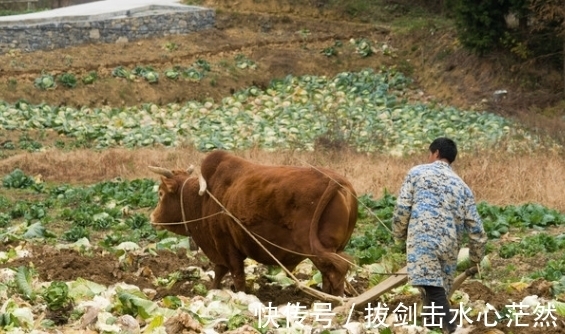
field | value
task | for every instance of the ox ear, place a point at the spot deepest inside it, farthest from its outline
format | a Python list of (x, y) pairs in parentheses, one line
[(202, 184), (170, 184), (161, 171)]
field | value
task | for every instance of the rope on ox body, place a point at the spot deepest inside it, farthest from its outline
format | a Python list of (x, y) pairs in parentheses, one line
[(190, 221), (366, 207)]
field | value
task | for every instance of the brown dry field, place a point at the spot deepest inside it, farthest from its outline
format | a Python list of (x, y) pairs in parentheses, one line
[(494, 177), (269, 33)]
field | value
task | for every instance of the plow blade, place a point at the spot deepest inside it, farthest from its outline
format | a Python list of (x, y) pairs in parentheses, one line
[(393, 281)]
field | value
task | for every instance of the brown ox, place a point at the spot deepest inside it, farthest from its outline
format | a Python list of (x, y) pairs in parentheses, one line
[(310, 211)]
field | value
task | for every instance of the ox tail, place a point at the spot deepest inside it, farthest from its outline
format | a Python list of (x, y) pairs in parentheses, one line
[(339, 261)]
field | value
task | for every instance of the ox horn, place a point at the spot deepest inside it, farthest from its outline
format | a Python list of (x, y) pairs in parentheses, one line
[(161, 171), (190, 169), (202, 184)]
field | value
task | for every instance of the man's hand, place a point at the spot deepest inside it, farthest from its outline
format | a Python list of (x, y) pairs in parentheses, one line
[(473, 269)]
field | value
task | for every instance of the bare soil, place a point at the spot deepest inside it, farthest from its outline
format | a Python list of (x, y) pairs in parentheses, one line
[(282, 38), (141, 271)]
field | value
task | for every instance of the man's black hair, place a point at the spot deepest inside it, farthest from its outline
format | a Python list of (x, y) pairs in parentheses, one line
[(446, 147)]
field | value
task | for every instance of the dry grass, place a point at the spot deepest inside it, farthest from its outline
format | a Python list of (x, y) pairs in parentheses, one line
[(495, 177)]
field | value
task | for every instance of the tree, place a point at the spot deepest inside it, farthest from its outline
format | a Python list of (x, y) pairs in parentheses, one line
[(540, 33), (549, 15), (480, 24)]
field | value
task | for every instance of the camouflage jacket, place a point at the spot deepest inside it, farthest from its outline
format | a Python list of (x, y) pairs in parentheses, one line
[(433, 210)]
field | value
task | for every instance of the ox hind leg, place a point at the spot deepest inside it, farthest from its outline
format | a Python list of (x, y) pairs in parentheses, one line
[(333, 268), (334, 230)]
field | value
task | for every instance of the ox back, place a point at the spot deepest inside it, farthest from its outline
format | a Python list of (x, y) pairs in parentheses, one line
[(301, 212)]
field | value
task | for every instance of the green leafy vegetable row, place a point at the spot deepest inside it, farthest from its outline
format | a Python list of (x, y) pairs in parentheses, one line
[(365, 110), (498, 220), (116, 205)]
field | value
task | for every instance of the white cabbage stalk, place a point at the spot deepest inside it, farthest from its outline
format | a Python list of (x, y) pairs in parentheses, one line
[(25, 316), (4, 257), (167, 243), (256, 307), (531, 301), (379, 268), (98, 302), (195, 272), (251, 266), (112, 290), (82, 289), (80, 244), (244, 299), (7, 275), (197, 306), (460, 298), (223, 295), (128, 324), (281, 279), (22, 252), (103, 323), (463, 261), (305, 268), (127, 246), (355, 327), (220, 309)]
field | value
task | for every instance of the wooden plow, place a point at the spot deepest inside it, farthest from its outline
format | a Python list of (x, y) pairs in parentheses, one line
[(393, 281)]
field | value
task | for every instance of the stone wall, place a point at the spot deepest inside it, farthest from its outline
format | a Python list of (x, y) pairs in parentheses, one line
[(150, 21)]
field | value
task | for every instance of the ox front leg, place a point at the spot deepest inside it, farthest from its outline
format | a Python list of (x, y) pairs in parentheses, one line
[(219, 273), (238, 275)]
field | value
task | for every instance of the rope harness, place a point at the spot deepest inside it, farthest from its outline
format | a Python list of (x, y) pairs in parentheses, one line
[(366, 207), (184, 221)]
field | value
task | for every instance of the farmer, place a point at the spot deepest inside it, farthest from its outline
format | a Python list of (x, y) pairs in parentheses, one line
[(432, 211)]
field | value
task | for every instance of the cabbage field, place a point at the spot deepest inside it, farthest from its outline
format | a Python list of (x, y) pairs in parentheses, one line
[(108, 221), (366, 110)]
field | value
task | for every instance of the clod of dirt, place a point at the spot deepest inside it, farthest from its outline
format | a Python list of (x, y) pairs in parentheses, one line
[(182, 323)]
